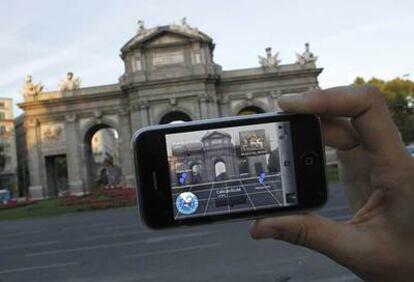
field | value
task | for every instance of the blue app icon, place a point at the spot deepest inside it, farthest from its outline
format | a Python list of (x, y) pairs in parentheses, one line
[(182, 178), (261, 177), (187, 203)]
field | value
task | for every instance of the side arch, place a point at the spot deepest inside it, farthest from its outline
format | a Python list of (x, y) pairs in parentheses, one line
[(86, 134), (92, 126)]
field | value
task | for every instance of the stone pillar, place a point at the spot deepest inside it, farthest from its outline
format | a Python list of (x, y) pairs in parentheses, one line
[(125, 148), (139, 116), (144, 114), (135, 117), (225, 107), (204, 111), (74, 155), (213, 108), (36, 189), (273, 97)]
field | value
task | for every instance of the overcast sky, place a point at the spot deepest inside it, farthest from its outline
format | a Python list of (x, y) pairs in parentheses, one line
[(49, 38)]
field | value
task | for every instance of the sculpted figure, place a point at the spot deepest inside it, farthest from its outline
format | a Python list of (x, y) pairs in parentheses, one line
[(69, 83), (306, 57), (30, 88), (270, 61)]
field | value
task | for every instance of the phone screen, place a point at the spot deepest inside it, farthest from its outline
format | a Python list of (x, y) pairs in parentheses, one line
[(231, 169)]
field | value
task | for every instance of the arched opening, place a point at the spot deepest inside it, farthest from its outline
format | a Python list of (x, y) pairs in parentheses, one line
[(175, 116), (250, 110), (220, 170), (102, 158)]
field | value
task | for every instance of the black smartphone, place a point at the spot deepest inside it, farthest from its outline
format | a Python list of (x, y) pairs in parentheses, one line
[(229, 168)]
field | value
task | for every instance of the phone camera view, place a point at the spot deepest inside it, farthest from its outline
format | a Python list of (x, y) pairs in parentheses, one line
[(231, 169)]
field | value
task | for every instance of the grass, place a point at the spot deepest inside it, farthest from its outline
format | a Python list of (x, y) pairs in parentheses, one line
[(41, 208), (332, 174), (103, 199)]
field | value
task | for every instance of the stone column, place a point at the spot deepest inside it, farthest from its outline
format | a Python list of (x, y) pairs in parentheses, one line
[(225, 107), (144, 114), (36, 189), (135, 117), (273, 96), (204, 112), (213, 108), (76, 185), (139, 115), (125, 151)]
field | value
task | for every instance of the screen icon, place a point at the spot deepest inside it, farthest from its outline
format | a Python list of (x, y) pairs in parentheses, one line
[(261, 177), (183, 178), (187, 203)]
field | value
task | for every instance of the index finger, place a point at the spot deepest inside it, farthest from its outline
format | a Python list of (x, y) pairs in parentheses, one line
[(366, 107)]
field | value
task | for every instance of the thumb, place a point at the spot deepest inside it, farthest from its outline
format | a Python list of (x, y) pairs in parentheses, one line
[(320, 234)]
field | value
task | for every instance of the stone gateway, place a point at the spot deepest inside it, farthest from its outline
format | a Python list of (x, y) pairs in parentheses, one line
[(169, 75)]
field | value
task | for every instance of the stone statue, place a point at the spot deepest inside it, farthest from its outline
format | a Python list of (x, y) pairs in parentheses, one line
[(30, 88), (184, 22), (141, 27), (306, 57), (69, 83), (143, 31), (270, 61)]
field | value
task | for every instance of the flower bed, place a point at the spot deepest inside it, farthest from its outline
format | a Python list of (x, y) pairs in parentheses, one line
[(102, 199), (16, 204)]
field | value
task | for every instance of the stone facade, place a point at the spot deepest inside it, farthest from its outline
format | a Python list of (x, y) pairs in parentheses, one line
[(8, 159), (169, 75)]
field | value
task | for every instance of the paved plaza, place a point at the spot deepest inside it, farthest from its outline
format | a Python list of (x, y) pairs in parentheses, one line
[(113, 245)]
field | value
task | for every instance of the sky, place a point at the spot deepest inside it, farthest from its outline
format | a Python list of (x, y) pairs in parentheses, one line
[(47, 39)]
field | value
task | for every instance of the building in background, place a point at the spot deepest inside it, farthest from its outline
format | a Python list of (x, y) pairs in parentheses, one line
[(22, 157), (8, 157), (170, 75)]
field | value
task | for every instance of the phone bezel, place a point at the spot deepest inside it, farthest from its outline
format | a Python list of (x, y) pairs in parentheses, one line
[(153, 179)]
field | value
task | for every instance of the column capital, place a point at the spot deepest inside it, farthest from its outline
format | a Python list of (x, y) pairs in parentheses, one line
[(70, 117), (123, 112), (143, 104), (276, 93), (32, 123)]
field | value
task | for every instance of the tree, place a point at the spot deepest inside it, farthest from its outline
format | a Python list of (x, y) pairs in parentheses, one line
[(397, 93)]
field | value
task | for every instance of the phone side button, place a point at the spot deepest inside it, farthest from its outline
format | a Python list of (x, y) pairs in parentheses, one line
[(308, 159)]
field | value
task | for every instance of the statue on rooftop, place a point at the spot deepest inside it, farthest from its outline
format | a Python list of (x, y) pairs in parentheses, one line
[(306, 57), (141, 27), (270, 61), (30, 88), (184, 22), (69, 83)]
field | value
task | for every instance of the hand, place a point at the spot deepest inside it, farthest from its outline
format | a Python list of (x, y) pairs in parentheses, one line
[(378, 176)]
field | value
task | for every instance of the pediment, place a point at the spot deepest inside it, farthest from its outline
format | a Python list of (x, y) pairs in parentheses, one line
[(216, 135), (164, 35), (166, 38)]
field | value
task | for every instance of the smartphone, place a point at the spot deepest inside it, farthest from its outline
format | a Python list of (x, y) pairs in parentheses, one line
[(229, 168)]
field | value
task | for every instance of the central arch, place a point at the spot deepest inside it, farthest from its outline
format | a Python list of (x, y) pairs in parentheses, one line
[(101, 156), (174, 116), (220, 170)]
